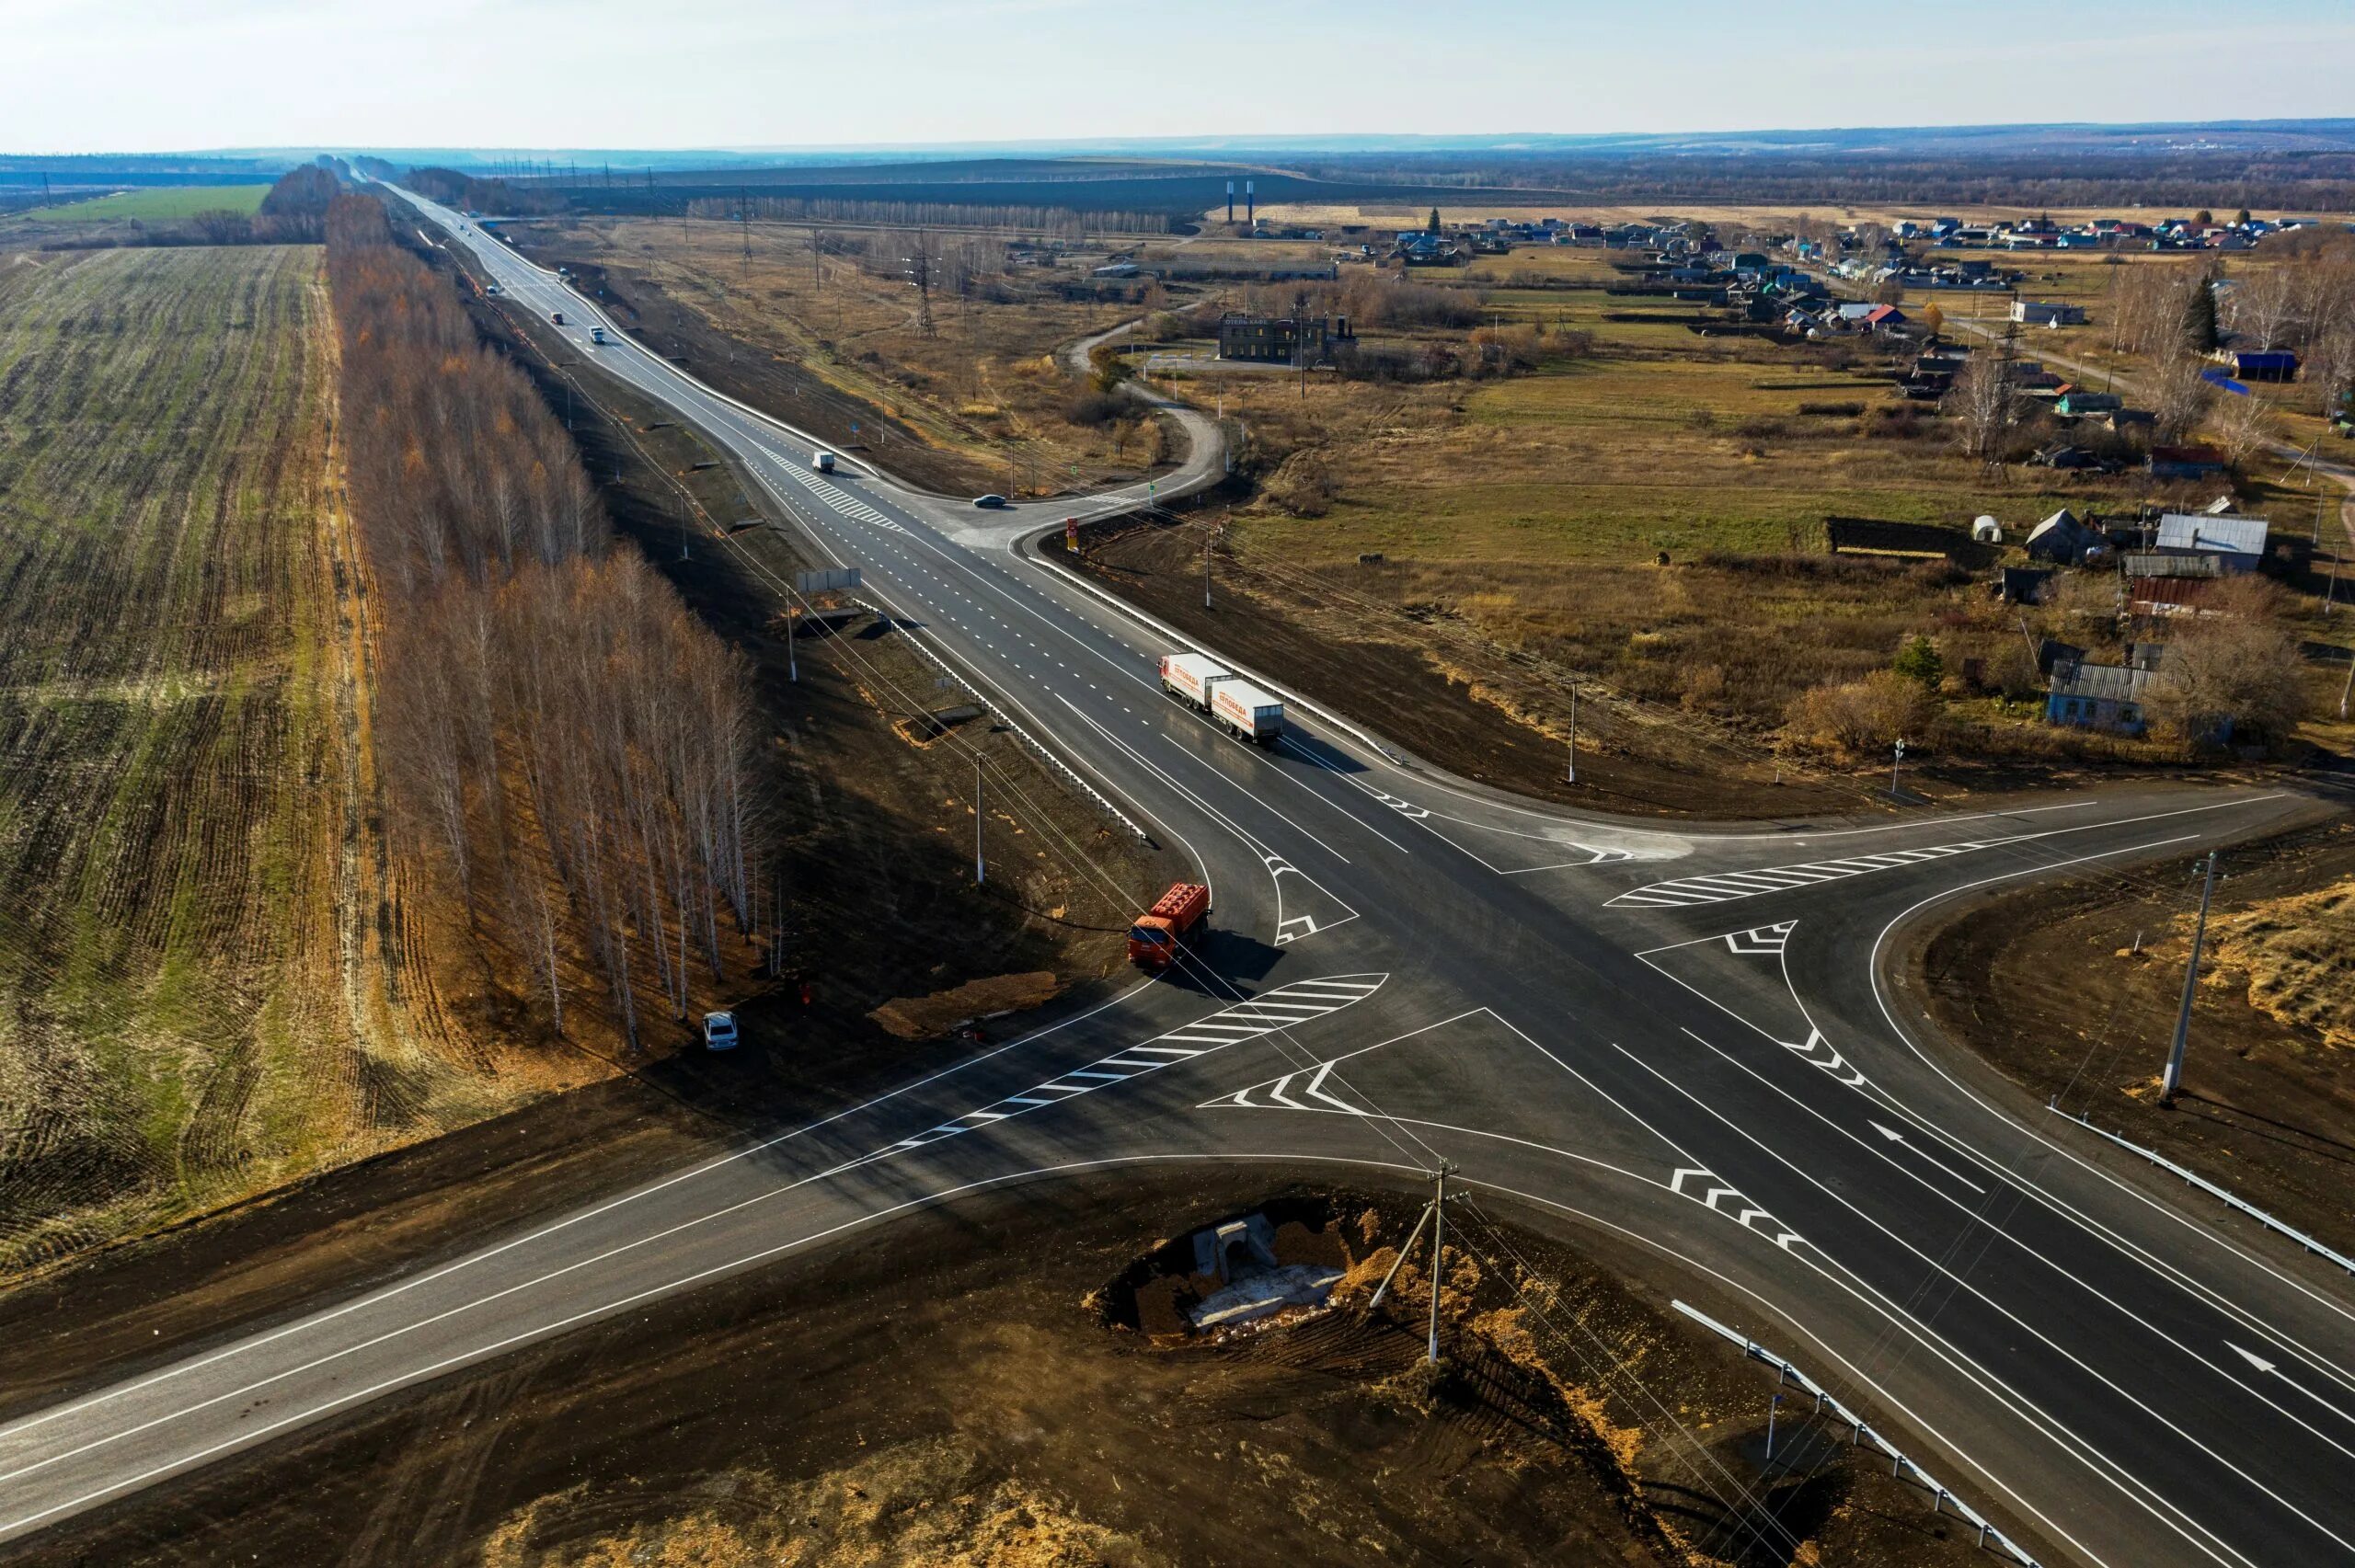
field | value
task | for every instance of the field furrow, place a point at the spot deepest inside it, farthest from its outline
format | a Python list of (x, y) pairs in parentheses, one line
[(202, 990)]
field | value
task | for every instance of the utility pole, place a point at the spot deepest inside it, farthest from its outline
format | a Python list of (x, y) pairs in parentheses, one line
[(980, 872), (2173, 1077), (1574, 733), (920, 273), (1439, 1248), (1208, 535), (744, 221)]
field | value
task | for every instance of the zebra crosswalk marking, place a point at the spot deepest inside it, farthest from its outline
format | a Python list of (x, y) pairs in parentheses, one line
[(1279, 1009), (1724, 886)]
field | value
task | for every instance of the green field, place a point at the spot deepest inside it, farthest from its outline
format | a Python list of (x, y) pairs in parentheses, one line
[(162, 205), (195, 1000)]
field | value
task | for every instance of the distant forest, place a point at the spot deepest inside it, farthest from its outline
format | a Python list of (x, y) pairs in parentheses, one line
[(2262, 179)]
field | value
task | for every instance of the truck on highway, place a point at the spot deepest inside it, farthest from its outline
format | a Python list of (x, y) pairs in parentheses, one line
[(1204, 682), (1189, 676), (556, 316), (1246, 710), (824, 461), (1158, 934), (596, 334)]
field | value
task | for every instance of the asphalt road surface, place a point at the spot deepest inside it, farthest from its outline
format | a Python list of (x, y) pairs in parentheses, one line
[(1679, 1038)]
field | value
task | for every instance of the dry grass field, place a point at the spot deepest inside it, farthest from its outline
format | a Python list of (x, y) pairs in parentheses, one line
[(207, 985), (984, 394), (1527, 511)]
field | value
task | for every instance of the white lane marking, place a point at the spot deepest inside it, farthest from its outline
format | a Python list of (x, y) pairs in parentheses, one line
[(1336, 993), (258, 1342), (1725, 887), (2272, 1369), (1965, 1286), (1898, 1137)]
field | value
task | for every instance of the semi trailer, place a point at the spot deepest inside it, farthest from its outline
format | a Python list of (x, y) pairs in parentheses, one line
[(1236, 703)]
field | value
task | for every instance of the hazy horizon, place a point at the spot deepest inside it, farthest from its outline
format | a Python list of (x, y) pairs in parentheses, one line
[(135, 76)]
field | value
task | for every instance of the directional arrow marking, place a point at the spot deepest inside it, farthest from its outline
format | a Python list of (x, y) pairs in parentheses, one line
[(2272, 1369), (1894, 1135)]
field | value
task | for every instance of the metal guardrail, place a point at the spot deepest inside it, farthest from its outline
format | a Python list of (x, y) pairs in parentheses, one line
[(940, 662), (2228, 1198), (1862, 1435)]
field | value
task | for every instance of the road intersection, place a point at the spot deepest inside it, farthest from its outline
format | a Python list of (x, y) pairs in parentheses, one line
[(1686, 1040)]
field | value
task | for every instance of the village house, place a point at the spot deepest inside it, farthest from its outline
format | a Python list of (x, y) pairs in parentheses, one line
[(2238, 543), (2034, 313), (2098, 696)]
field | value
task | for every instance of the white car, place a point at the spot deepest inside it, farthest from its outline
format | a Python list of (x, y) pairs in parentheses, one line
[(719, 1031)]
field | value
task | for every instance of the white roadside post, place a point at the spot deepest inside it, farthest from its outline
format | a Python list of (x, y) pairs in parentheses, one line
[(1897, 758)]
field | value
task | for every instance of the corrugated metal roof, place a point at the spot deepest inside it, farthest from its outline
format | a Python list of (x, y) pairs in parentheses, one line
[(2200, 530), (2099, 682)]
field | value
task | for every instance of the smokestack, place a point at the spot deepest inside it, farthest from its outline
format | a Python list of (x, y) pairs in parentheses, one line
[(1230, 200), (1250, 204)]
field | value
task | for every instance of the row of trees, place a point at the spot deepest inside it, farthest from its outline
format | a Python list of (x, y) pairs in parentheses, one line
[(1059, 222), (563, 743)]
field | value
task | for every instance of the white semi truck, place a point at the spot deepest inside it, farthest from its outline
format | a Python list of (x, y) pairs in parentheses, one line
[(1236, 703)]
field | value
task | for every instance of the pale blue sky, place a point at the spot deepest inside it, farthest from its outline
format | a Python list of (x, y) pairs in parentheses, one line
[(154, 75)]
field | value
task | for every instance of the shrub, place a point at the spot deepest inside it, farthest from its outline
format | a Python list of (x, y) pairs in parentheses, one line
[(1860, 716), (1302, 485), (1919, 661), (1094, 410)]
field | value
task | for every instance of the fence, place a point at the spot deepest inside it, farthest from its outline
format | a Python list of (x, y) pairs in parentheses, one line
[(1862, 1435), (2204, 1184)]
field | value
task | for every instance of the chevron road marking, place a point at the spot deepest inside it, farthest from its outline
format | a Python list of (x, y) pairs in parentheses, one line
[(1760, 940), (1729, 1201)]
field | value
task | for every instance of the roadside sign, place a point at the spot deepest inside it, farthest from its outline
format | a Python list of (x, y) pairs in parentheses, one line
[(1070, 535), (833, 579)]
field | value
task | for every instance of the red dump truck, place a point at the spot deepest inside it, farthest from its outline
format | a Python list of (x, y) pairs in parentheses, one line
[(1176, 916)]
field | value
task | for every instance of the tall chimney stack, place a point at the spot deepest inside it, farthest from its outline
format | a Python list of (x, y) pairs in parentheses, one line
[(1250, 205), (1230, 200)]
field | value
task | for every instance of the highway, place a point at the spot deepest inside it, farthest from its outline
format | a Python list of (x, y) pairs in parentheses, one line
[(1683, 1039)]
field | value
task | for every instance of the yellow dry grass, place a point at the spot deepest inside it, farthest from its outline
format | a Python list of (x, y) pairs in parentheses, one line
[(918, 1504), (2296, 957)]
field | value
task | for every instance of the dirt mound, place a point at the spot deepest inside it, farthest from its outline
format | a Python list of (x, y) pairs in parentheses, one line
[(920, 1017)]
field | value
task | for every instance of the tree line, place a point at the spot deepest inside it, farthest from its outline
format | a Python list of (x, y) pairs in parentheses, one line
[(566, 747), (1061, 222)]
